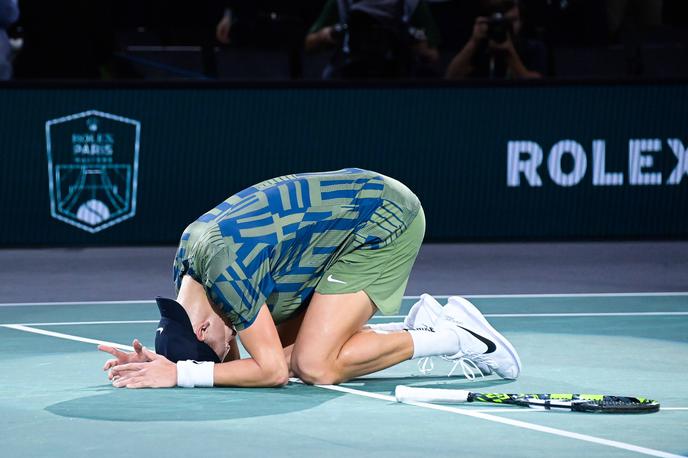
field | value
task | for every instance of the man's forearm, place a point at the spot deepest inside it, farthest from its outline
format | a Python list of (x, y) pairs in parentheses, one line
[(318, 40), (461, 66), (519, 69), (248, 373), (267, 365)]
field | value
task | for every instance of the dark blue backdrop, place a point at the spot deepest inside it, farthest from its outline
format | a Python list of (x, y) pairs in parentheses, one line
[(449, 144)]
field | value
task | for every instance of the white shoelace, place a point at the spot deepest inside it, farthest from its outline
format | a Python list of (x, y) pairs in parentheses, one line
[(468, 366), (425, 365)]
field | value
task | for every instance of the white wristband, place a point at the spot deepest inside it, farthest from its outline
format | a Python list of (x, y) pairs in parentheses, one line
[(192, 373)]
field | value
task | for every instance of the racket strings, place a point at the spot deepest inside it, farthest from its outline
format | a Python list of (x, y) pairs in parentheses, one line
[(614, 404)]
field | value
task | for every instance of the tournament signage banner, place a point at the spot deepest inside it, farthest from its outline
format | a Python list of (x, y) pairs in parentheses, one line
[(641, 170), (134, 165), (93, 167)]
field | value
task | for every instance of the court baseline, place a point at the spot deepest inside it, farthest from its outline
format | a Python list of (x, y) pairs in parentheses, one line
[(442, 408)]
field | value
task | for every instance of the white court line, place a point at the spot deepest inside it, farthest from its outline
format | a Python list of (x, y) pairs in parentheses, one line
[(425, 405), (36, 304), (531, 315), (73, 323), (508, 421), (529, 296), (59, 335), (381, 317), (563, 314), (468, 296)]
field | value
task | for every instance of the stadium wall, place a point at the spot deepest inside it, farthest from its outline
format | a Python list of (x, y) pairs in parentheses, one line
[(106, 164)]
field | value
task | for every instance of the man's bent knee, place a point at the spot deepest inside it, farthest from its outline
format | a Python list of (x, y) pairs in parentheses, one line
[(320, 377), (315, 372)]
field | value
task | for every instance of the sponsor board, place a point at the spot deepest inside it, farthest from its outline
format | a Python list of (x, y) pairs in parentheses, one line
[(93, 169)]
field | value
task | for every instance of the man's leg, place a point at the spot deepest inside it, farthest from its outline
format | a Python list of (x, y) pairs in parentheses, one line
[(287, 333), (332, 346)]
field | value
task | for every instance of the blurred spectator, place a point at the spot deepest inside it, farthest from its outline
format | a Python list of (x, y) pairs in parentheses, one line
[(65, 39), (636, 14), (628, 21), (241, 21), (265, 37), (224, 27), (497, 48), (9, 13), (376, 38), (260, 22)]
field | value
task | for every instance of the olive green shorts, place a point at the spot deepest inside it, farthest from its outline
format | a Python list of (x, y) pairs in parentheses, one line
[(381, 273)]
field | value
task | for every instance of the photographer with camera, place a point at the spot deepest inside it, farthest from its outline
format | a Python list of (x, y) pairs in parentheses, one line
[(496, 48), (376, 38)]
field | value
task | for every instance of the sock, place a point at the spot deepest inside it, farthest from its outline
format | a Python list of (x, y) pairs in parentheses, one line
[(386, 328), (433, 343)]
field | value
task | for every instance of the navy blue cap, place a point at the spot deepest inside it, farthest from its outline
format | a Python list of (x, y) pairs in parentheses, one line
[(175, 338)]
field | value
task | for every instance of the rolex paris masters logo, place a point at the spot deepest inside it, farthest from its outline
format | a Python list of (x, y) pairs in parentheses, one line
[(93, 161)]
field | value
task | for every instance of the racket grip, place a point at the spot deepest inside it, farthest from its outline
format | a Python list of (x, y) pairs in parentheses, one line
[(406, 393)]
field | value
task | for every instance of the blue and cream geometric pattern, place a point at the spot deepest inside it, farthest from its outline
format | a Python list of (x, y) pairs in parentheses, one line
[(270, 243)]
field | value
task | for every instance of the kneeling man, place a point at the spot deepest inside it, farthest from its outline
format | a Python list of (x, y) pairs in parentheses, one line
[(296, 266)]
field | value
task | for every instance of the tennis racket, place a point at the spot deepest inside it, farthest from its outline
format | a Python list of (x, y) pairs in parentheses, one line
[(567, 401)]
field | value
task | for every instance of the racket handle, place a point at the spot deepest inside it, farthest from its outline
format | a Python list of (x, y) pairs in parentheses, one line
[(406, 393)]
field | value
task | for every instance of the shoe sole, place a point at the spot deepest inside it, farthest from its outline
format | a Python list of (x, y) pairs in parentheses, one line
[(473, 313)]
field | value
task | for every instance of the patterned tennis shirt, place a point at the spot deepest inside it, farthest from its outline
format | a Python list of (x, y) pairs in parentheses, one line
[(271, 243)]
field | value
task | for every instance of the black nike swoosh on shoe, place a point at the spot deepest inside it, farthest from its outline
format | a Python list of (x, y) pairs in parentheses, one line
[(491, 347)]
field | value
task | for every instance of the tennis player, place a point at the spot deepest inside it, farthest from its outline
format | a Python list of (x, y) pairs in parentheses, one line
[(296, 266)]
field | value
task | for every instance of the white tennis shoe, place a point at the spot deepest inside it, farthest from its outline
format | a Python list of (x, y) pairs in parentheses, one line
[(479, 342), (423, 314)]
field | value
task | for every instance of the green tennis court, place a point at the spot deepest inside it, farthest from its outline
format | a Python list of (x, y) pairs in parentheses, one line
[(55, 401)]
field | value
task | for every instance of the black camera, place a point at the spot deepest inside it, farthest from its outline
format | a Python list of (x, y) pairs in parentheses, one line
[(499, 28)]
